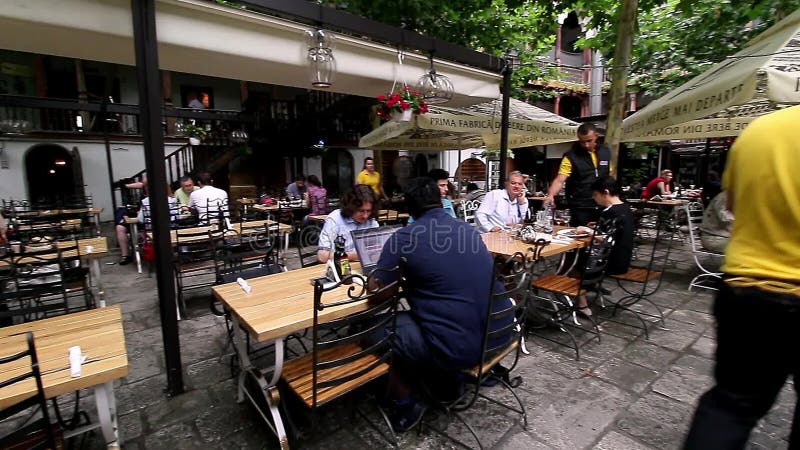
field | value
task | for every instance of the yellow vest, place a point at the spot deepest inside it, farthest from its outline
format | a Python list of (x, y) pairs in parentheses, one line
[(762, 178)]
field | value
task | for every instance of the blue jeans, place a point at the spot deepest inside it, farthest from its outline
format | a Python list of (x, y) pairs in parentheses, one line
[(758, 334)]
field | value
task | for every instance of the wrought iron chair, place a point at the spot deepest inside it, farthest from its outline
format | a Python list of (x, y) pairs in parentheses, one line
[(468, 208), (641, 282), (708, 278), (35, 287), (307, 241), (339, 365), (196, 256), (560, 307), (502, 337), (39, 432)]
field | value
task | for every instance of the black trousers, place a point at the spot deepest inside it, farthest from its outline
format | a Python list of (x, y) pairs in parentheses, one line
[(757, 350), (581, 215)]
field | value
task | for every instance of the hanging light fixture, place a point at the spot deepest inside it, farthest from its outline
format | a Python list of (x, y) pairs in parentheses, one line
[(321, 63), (435, 88)]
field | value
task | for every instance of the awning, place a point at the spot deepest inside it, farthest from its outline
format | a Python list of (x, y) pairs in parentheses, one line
[(760, 78), (205, 38), (445, 128)]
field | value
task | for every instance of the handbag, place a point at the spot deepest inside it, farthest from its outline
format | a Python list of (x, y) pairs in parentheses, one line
[(148, 251)]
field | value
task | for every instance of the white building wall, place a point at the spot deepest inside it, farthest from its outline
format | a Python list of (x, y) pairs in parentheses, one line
[(127, 158)]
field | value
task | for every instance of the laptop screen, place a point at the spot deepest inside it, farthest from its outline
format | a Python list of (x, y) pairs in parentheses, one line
[(369, 243)]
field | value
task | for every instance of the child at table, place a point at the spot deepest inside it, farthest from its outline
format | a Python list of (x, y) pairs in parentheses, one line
[(606, 193)]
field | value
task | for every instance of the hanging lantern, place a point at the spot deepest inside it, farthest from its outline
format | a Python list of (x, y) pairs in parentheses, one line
[(321, 63), (435, 88)]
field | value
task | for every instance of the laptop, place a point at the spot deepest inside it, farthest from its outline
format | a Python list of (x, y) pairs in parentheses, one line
[(369, 244)]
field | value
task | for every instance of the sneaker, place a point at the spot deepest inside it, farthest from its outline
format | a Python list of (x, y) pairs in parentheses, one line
[(586, 311), (125, 260), (406, 417)]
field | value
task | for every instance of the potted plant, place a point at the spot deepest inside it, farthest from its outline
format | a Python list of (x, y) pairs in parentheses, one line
[(401, 105), (195, 133)]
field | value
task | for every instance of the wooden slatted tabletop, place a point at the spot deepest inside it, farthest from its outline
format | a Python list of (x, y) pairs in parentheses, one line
[(270, 208), (250, 227), (391, 214), (283, 303), (99, 249), (501, 243), (98, 332)]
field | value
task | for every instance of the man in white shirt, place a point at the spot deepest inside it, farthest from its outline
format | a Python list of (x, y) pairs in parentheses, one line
[(503, 207), (208, 201)]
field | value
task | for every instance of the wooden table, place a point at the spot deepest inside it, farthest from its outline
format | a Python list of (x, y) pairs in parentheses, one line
[(502, 243), (283, 207), (277, 306), (391, 215), (100, 335), (91, 250), (283, 229)]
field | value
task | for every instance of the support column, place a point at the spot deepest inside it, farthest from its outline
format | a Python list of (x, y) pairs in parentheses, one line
[(145, 45)]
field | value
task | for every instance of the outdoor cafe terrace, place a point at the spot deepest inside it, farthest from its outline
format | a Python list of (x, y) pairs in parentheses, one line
[(633, 389)]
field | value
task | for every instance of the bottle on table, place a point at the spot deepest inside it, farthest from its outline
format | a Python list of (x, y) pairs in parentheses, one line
[(340, 260)]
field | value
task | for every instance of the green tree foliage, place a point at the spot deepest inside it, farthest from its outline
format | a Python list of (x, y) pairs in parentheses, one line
[(522, 28), (678, 39)]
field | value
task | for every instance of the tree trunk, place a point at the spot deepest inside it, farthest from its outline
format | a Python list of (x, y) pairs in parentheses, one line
[(619, 78)]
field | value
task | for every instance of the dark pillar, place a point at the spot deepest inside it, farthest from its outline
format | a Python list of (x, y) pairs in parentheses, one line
[(147, 75), (504, 121)]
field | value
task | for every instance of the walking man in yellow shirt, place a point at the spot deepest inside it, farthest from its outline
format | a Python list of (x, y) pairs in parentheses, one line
[(758, 304)]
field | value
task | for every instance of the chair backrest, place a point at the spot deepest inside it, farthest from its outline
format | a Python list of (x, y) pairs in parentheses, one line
[(468, 208), (307, 241), (35, 286), (195, 244), (260, 237), (381, 292), (597, 254), (694, 217), (659, 258), (514, 275), (216, 210), (38, 399)]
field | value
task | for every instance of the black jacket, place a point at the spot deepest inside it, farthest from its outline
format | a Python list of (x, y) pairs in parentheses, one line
[(579, 182)]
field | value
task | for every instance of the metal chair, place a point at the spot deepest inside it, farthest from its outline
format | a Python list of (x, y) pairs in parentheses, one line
[(560, 307), (502, 337), (468, 208), (339, 365), (641, 282), (307, 241), (694, 217), (196, 256), (39, 432)]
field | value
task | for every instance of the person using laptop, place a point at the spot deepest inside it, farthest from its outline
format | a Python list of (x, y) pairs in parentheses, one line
[(358, 212), (449, 276)]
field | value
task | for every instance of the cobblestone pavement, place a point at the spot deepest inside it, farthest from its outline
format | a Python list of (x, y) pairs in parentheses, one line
[(626, 392)]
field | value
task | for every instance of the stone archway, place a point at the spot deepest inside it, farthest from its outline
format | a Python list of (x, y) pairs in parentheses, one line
[(50, 171), (471, 170)]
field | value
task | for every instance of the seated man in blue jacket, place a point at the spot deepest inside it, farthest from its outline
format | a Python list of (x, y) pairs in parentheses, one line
[(449, 274)]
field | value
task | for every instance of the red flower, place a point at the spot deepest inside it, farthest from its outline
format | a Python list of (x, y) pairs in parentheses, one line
[(381, 98), (405, 105)]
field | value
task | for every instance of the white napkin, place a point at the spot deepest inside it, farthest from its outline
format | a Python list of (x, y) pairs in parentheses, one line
[(75, 361), (245, 287)]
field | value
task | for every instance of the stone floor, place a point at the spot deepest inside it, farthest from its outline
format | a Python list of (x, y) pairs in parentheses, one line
[(626, 392)]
